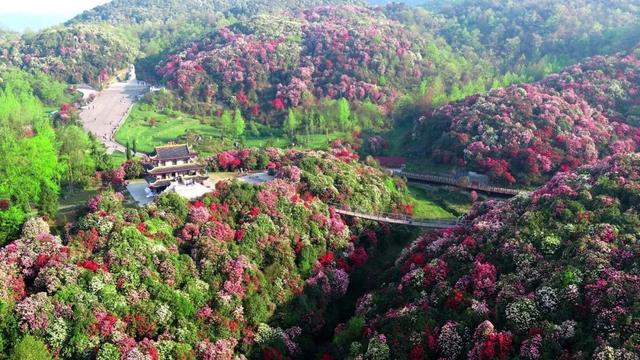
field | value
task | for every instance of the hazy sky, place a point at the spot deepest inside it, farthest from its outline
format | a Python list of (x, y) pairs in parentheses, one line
[(36, 14)]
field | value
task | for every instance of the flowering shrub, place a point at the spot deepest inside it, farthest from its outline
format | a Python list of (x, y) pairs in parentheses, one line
[(527, 133), (324, 52), (82, 53), (178, 279), (490, 288)]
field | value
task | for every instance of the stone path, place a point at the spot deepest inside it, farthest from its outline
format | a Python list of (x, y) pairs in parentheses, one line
[(110, 108)]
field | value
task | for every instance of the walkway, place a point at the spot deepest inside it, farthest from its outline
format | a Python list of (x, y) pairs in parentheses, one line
[(402, 219), (110, 108), (446, 180)]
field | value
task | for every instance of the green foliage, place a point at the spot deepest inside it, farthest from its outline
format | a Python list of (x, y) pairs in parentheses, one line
[(226, 122), (29, 167), (49, 91), (30, 348), (352, 332), (291, 123), (173, 202), (238, 124), (108, 352), (344, 114), (74, 152)]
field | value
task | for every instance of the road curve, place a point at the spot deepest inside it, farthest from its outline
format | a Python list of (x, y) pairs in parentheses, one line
[(108, 111)]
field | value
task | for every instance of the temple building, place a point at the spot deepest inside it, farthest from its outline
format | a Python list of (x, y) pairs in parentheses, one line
[(175, 164)]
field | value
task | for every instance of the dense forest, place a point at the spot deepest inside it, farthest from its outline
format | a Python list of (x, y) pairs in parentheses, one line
[(322, 257)]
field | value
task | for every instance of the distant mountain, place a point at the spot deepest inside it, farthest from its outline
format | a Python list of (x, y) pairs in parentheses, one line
[(153, 11), (82, 53)]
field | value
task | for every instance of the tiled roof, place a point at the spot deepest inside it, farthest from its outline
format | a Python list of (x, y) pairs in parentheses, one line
[(170, 152), (176, 168)]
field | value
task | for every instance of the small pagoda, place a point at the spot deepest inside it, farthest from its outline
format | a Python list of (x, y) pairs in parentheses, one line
[(175, 164)]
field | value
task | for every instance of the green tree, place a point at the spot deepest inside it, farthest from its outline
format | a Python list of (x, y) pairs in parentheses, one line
[(238, 124), (76, 155), (30, 348), (28, 159), (291, 123), (344, 114), (48, 200), (253, 129), (226, 122)]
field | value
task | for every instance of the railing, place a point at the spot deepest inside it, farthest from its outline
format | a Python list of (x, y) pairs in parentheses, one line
[(454, 182), (437, 223)]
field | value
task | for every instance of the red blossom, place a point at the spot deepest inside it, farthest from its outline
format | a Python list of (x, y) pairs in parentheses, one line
[(327, 258), (359, 256), (89, 265)]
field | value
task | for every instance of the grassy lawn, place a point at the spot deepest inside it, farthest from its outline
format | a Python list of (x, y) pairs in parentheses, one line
[(179, 126), (438, 202), (118, 157), (167, 128)]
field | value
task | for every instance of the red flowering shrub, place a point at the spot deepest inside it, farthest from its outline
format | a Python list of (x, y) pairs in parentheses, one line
[(324, 52), (540, 277), (527, 133), (76, 54)]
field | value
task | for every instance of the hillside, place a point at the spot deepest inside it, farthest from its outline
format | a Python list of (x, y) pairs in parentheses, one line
[(268, 64), (548, 276), (177, 279), (526, 133), (74, 54), (520, 34), (123, 12)]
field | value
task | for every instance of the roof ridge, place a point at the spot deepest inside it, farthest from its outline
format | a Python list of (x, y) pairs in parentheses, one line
[(176, 145)]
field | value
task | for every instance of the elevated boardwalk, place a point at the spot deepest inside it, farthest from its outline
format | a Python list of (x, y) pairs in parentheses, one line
[(401, 219), (451, 181)]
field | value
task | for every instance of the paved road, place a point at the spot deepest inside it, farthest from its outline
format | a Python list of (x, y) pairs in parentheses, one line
[(106, 113)]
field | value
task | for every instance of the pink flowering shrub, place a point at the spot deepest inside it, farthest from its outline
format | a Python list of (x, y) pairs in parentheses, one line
[(325, 52), (76, 54), (545, 276), (178, 279), (527, 133)]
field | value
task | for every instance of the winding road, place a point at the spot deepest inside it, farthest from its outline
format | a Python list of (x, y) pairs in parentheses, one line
[(107, 112)]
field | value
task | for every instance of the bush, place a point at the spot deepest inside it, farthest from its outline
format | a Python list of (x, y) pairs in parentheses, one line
[(30, 348)]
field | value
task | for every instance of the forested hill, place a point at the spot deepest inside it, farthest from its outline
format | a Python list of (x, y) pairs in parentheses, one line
[(513, 33), (82, 53), (153, 11), (548, 276), (526, 133)]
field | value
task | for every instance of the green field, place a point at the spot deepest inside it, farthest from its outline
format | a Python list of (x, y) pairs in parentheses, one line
[(167, 128), (202, 132), (434, 202)]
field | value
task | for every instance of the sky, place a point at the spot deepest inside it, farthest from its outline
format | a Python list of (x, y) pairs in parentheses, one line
[(19, 15)]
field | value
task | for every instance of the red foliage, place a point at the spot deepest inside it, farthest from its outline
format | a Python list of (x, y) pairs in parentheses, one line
[(89, 265), (255, 110), (271, 353), (359, 256), (4, 204), (327, 258), (455, 299)]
